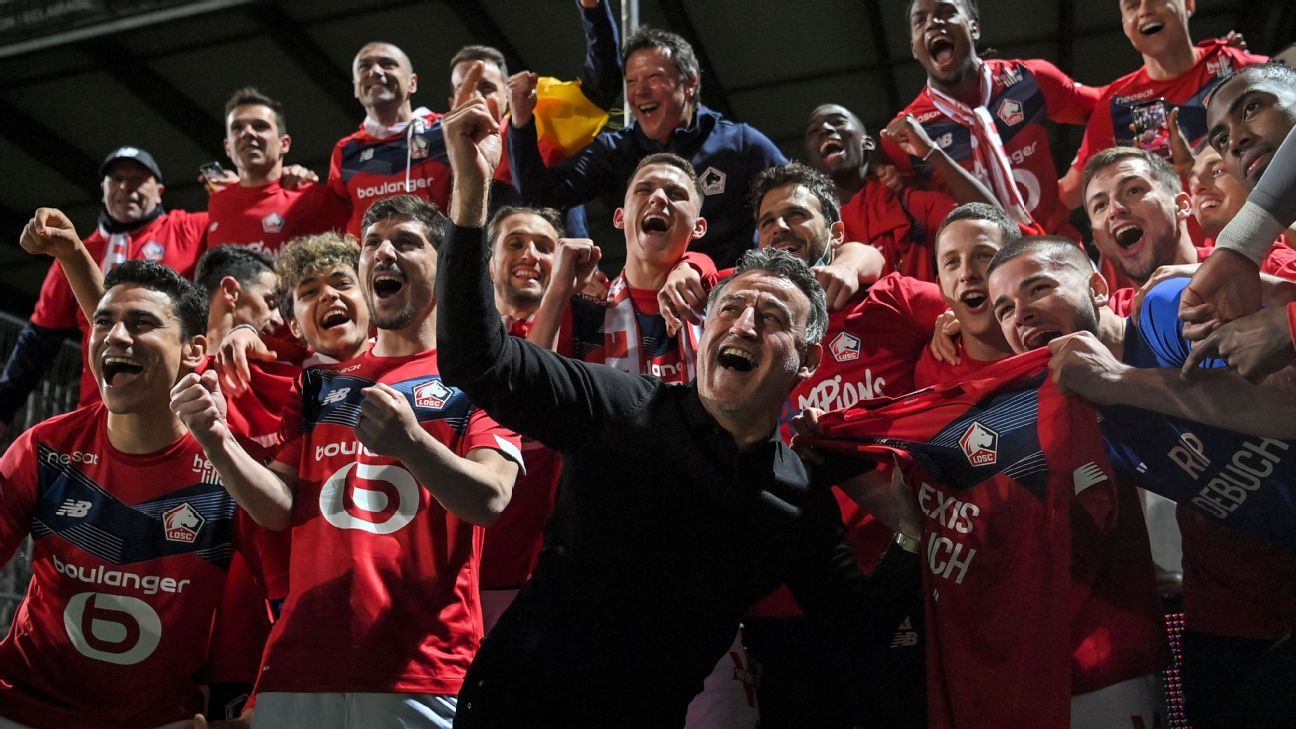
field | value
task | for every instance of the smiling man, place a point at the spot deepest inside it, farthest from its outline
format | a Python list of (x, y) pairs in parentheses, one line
[(132, 531), (679, 507), (660, 218), (132, 224), (259, 212), (988, 114), (663, 86), (384, 474), (1175, 73), (1138, 212)]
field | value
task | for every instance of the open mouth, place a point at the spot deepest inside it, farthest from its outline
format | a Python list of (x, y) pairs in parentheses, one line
[(1039, 338), (120, 371), (648, 109), (832, 150), (335, 318), (1151, 28), (975, 301), (654, 224), (1127, 234), (1208, 203), (732, 358), (941, 49), (387, 284)]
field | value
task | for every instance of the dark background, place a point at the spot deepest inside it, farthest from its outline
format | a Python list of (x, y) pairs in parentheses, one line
[(69, 93)]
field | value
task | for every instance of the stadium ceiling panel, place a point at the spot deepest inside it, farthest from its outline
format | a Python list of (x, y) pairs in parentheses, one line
[(78, 77)]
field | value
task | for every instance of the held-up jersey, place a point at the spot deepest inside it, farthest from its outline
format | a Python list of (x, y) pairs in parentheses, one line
[(365, 168), (383, 591), (1025, 528), (1025, 93), (1113, 114), (174, 238), (129, 560), (264, 218)]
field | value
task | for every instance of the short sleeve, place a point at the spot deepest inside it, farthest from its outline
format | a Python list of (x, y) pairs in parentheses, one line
[(484, 432), (1068, 102), (1159, 327)]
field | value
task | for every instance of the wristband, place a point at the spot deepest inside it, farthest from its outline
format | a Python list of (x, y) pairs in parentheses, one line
[(249, 327), (906, 542)]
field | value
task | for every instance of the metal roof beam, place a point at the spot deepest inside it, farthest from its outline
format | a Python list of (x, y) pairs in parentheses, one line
[(297, 44), (46, 145)]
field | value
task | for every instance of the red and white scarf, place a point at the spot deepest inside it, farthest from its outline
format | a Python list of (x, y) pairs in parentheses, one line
[(990, 164), (623, 342)]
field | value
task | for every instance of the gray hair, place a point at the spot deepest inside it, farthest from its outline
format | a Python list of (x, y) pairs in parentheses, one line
[(784, 265)]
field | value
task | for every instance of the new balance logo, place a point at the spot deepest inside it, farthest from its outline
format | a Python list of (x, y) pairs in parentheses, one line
[(336, 396), (74, 508)]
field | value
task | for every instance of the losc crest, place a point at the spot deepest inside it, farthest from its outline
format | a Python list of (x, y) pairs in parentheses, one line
[(980, 444), (182, 524)]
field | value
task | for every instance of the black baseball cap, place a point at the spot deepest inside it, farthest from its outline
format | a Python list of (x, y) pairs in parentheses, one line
[(134, 154)]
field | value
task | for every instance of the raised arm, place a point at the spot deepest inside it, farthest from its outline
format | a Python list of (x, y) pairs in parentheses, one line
[(601, 76)]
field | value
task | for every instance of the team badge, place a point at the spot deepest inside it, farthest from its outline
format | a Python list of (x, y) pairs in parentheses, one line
[(980, 445), (845, 347), (713, 181), (1010, 111), (153, 251), (272, 223), (419, 147), (182, 524), (432, 394)]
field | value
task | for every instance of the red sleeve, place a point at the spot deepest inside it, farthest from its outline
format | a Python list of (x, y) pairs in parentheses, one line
[(1067, 102), (484, 432), (1121, 301), (324, 209), (898, 157), (18, 493)]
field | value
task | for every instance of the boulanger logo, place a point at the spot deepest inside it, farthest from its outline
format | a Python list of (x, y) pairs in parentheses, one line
[(112, 628), (386, 502), (980, 445)]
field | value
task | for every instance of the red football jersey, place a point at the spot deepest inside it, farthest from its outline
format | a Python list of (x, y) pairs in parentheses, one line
[(903, 228), (264, 218), (383, 591), (365, 168), (1039, 579), (1113, 114), (1024, 94), (175, 238), (129, 561)]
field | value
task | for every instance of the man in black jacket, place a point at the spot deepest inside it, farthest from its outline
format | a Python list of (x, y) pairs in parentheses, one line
[(679, 507)]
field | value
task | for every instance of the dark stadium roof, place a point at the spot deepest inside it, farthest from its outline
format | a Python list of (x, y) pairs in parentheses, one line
[(160, 80)]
